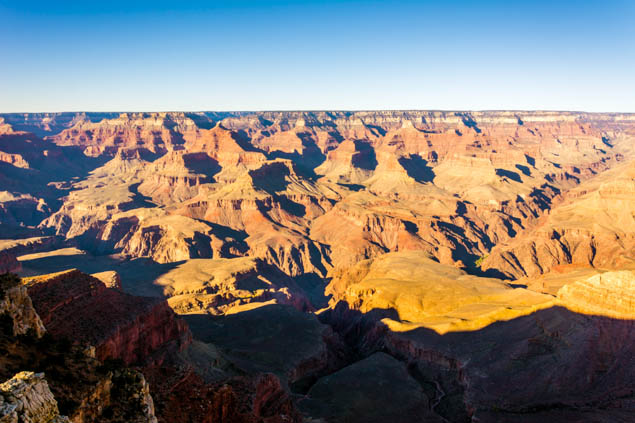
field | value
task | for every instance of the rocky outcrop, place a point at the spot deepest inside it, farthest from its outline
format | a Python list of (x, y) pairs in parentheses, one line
[(87, 390), (110, 278), (122, 390), (16, 304), (27, 398), (14, 160), (81, 308)]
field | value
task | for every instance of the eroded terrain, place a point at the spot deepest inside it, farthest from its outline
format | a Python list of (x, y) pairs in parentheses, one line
[(334, 266)]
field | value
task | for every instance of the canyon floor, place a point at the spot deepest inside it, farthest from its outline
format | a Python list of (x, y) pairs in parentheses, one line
[(380, 266)]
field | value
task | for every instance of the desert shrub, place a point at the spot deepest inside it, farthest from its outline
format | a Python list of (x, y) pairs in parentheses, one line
[(479, 261)]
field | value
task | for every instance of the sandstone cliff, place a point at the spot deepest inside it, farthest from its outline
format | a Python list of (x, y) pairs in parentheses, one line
[(608, 294)]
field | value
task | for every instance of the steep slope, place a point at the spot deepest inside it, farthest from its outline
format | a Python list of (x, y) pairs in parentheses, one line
[(608, 294), (27, 397), (44, 371)]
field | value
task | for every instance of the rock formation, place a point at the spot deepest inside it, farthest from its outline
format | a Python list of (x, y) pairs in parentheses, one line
[(26, 397), (408, 177), (85, 389), (224, 286), (16, 304)]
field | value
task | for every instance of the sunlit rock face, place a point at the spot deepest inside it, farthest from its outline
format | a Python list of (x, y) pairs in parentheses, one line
[(417, 291), (593, 225), (335, 266), (610, 294), (16, 306)]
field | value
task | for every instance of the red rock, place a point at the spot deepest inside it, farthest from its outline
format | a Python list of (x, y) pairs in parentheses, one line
[(81, 308)]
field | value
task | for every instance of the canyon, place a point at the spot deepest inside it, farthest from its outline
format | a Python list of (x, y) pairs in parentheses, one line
[(324, 266)]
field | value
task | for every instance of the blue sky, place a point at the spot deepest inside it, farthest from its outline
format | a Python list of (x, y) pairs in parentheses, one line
[(289, 55)]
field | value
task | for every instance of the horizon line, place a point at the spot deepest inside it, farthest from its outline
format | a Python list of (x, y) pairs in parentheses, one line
[(321, 111)]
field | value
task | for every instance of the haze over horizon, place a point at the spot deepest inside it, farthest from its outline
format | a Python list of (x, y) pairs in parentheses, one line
[(311, 55)]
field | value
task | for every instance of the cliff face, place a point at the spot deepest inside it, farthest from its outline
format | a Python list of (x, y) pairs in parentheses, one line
[(16, 304), (609, 294), (79, 307), (87, 390), (225, 286), (122, 394), (81, 388)]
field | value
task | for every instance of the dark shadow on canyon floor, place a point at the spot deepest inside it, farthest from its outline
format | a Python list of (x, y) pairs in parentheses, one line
[(550, 365), (136, 275)]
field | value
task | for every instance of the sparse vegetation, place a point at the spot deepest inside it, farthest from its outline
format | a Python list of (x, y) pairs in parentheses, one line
[(479, 261)]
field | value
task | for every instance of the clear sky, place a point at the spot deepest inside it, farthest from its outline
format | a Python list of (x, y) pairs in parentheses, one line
[(287, 55)]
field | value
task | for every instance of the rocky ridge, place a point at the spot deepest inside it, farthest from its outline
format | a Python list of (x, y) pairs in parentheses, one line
[(26, 397)]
